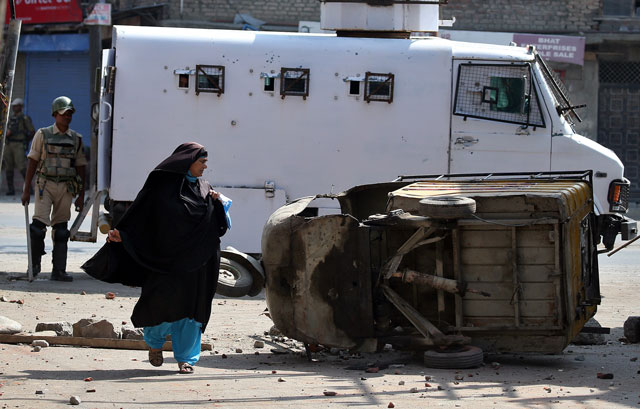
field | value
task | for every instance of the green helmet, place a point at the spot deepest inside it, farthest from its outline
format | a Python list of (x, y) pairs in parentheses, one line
[(62, 104)]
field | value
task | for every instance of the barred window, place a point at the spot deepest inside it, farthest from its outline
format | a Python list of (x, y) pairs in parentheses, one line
[(498, 92), (294, 81), (210, 78), (378, 87)]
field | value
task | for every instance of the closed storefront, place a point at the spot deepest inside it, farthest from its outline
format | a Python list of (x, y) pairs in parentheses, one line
[(619, 116), (57, 65)]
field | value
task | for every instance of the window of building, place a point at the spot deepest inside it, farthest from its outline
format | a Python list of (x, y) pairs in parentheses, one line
[(210, 78), (621, 8), (378, 87)]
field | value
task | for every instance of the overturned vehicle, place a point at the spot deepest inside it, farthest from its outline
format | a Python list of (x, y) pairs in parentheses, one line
[(503, 262)]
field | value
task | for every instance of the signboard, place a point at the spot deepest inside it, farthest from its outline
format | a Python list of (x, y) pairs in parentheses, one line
[(567, 49), (46, 11), (100, 15)]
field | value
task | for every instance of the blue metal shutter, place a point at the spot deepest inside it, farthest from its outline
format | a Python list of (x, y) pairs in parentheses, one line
[(51, 74)]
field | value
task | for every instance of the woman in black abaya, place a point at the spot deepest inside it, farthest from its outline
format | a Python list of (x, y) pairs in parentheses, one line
[(168, 242)]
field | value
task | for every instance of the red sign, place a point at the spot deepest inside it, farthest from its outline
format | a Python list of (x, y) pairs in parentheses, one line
[(46, 11)]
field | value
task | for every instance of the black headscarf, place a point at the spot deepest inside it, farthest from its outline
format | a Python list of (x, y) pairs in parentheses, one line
[(182, 158)]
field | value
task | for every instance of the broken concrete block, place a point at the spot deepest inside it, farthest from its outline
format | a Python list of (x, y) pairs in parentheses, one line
[(44, 334), (62, 328), (9, 326), (129, 332), (632, 329), (39, 343), (89, 328), (590, 339)]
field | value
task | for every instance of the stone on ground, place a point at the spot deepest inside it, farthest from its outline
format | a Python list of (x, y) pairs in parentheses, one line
[(62, 328), (9, 326)]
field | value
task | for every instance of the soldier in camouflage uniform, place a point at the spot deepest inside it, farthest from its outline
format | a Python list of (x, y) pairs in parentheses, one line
[(19, 133), (57, 158)]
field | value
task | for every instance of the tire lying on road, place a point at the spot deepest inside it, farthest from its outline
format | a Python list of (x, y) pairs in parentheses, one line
[(447, 207), (463, 357), (234, 279)]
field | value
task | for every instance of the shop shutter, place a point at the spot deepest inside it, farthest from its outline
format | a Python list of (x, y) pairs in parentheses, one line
[(51, 74)]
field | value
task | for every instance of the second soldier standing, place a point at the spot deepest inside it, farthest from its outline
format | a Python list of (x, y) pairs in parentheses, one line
[(58, 160), (19, 134)]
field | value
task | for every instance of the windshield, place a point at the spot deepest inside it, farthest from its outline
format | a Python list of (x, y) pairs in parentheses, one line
[(560, 93)]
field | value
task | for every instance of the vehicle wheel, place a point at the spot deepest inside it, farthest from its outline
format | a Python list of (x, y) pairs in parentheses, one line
[(463, 357), (447, 207), (234, 279)]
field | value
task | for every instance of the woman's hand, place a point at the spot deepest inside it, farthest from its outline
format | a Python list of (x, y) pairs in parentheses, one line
[(215, 195), (114, 236)]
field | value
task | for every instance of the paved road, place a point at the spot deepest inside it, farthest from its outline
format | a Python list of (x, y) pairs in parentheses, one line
[(237, 375)]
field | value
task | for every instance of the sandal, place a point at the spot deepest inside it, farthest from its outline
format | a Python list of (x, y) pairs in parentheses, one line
[(185, 367), (155, 357)]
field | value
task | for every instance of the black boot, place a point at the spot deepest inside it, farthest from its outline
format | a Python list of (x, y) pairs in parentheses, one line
[(59, 253), (10, 189), (38, 231)]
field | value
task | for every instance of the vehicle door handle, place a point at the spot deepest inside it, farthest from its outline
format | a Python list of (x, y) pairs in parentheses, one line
[(466, 141)]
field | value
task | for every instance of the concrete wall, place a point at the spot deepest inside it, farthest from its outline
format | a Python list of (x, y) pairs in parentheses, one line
[(283, 12), (524, 16)]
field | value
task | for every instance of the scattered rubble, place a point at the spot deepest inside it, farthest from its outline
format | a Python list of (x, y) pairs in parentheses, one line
[(9, 326), (61, 328), (75, 400), (632, 329), (258, 344), (90, 328), (109, 296), (590, 339), (329, 393), (39, 343), (129, 332)]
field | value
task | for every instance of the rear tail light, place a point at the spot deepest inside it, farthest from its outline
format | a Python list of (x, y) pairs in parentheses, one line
[(619, 196)]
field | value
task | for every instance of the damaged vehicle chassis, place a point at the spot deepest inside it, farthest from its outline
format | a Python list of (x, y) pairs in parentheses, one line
[(503, 262)]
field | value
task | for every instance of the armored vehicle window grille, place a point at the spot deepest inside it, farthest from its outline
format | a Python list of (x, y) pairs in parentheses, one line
[(503, 93), (210, 78), (619, 72), (294, 81), (378, 87)]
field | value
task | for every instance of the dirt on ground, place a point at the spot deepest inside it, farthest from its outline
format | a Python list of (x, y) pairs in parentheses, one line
[(237, 374)]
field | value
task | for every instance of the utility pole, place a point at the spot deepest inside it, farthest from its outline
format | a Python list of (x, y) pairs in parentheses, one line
[(7, 73)]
